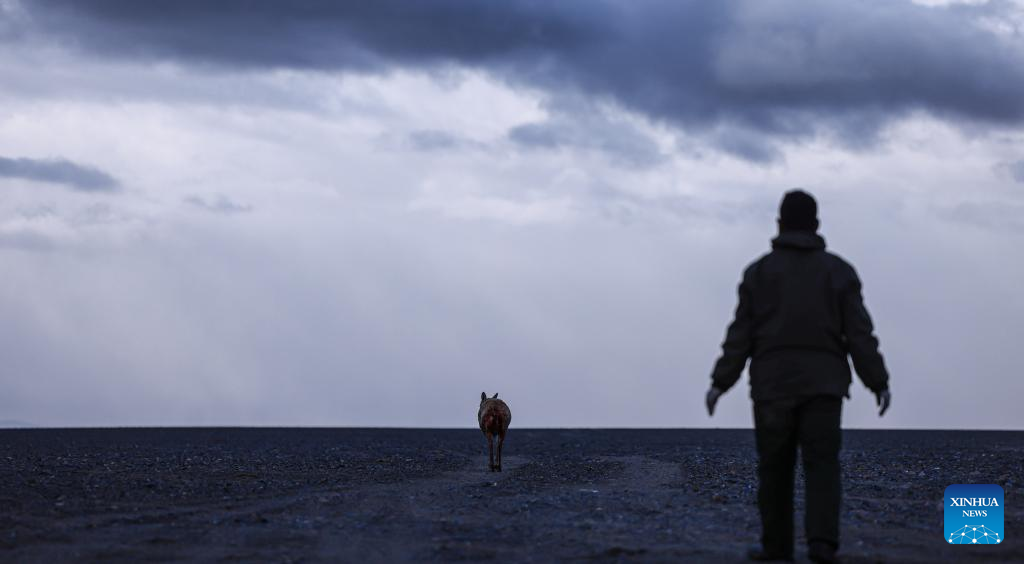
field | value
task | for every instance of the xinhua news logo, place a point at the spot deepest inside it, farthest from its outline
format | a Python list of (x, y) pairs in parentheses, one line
[(974, 514)]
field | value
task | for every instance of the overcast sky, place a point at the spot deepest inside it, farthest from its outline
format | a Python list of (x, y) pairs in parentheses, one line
[(319, 213)]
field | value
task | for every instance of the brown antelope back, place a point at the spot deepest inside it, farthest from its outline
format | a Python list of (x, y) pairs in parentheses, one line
[(494, 415)]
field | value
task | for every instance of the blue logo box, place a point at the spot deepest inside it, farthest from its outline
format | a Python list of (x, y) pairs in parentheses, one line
[(974, 514)]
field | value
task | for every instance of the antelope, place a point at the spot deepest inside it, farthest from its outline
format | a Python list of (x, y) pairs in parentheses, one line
[(494, 417)]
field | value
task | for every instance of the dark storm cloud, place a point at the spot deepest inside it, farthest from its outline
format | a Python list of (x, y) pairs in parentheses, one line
[(59, 171), (779, 70), (747, 146), (313, 34)]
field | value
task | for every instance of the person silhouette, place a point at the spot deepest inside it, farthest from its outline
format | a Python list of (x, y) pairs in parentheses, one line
[(800, 314)]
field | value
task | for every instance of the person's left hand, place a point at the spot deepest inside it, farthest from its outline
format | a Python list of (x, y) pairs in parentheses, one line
[(712, 398)]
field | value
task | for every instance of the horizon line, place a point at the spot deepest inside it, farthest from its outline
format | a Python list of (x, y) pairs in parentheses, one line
[(451, 428)]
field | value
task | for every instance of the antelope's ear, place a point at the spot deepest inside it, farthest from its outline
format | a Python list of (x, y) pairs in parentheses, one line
[(495, 394), (483, 396)]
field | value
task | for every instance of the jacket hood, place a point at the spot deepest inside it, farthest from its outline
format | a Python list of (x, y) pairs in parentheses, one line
[(799, 240)]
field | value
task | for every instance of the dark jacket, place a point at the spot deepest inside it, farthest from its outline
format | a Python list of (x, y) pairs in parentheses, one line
[(800, 314)]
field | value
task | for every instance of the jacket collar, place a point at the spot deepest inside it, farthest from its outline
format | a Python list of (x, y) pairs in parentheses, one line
[(805, 240)]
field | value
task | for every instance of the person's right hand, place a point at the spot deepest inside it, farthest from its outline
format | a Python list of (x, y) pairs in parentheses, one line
[(882, 400)]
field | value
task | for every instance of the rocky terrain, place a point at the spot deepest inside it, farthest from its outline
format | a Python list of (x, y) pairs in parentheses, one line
[(384, 495)]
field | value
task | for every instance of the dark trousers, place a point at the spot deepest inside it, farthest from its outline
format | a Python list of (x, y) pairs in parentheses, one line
[(812, 423)]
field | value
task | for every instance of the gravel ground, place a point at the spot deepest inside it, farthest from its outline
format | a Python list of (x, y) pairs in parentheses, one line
[(384, 495)]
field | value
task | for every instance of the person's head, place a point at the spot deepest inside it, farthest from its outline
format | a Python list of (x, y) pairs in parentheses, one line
[(798, 212)]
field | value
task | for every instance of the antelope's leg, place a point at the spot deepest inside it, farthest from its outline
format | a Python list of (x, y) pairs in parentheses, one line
[(501, 442), (490, 449)]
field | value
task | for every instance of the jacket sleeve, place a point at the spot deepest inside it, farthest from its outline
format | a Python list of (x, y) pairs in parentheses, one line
[(861, 342), (738, 344)]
